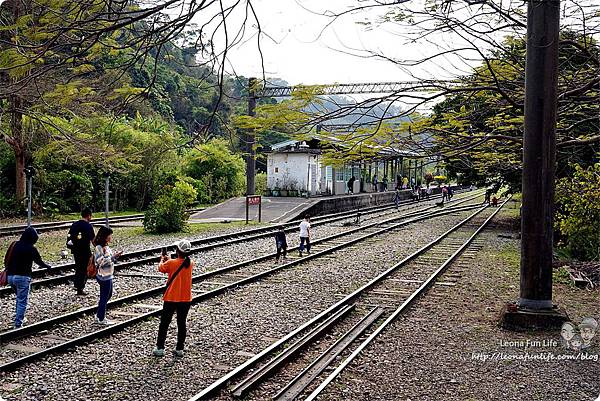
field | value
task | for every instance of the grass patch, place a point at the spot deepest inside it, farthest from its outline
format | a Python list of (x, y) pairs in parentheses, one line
[(77, 215), (562, 276), (511, 255)]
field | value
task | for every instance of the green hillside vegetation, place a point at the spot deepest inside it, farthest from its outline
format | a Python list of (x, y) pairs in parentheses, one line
[(138, 126)]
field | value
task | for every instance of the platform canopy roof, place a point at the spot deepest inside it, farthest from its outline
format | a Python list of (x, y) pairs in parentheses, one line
[(314, 143)]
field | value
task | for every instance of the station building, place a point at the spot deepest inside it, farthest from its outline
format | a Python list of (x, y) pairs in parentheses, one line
[(296, 168)]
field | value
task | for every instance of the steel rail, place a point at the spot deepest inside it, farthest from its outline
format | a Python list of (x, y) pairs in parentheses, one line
[(50, 322), (244, 387), (405, 305), (303, 379), (232, 237), (206, 295), (241, 369), (211, 243), (60, 225)]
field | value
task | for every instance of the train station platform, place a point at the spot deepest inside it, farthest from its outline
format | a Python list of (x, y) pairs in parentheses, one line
[(284, 209)]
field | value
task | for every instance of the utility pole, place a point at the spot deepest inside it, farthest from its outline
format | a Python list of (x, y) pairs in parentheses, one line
[(251, 141), (535, 307), (29, 173), (106, 196)]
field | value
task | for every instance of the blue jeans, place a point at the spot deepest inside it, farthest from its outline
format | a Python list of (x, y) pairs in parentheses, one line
[(106, 289), (21, 285), (302, 239)]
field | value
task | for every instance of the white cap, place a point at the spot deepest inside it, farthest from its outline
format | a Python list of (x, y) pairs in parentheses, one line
[(184, 246)]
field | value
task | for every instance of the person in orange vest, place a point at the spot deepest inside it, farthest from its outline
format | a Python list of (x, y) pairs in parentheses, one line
[(177, 297)]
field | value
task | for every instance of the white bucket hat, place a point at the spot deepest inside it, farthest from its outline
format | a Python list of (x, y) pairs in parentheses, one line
[(184, 246)]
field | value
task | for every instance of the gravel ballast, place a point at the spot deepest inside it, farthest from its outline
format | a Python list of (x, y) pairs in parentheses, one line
[(223, 331), (51, 301), (449, 346)]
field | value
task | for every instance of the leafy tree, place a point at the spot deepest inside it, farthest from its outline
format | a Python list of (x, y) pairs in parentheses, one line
[(578, 214), (218, 173), (480, 131), (60, 58), (136, 152)]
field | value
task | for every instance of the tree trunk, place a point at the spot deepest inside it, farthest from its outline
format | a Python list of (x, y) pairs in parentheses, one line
[(15, 111), (20, 174), (16, 142)]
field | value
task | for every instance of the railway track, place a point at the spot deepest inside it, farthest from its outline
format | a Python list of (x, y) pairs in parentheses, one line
[(65, 331), (358, 319), (57, 275), (6, 231)]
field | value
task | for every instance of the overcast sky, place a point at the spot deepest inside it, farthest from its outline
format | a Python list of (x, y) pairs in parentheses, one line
[(298, 48)]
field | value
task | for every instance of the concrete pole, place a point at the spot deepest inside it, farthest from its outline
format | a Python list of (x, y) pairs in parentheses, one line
[(106, 198), (29, 200), (539, 153), (251, 141)]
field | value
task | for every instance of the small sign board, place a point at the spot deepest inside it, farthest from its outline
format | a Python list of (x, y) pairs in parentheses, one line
[(253, 200)]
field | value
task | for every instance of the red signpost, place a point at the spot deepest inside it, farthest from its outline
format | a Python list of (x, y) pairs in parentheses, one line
[(254, 200)]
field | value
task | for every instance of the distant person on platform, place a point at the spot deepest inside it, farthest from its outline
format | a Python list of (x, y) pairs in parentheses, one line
[(385, 184), (351, 185), (304, 236), (405, 183), (81, 235), (397, 195), (375, 183)]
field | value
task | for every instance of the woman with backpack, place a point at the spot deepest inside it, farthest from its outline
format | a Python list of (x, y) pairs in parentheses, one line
[(177, 297), (19, 261), (105, 263)]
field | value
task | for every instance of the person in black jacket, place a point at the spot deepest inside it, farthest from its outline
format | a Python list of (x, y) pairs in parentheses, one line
[(79, 238), (281, 243), (351, 185), (20, 262)]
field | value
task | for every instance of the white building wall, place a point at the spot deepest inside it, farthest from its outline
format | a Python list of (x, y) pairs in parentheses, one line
[(294, 170)]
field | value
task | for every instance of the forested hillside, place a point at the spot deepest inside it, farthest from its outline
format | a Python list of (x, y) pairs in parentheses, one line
[(135, 124)]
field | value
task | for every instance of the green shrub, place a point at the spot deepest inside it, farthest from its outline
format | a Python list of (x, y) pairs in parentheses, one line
[(8, 206), (261, 183), (578, 212), (168, 212)]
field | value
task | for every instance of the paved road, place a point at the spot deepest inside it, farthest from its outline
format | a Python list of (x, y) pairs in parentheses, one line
[(274, 209)]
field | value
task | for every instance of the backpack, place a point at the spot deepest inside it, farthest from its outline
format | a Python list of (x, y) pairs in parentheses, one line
[(92, 269), (7, 258)]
